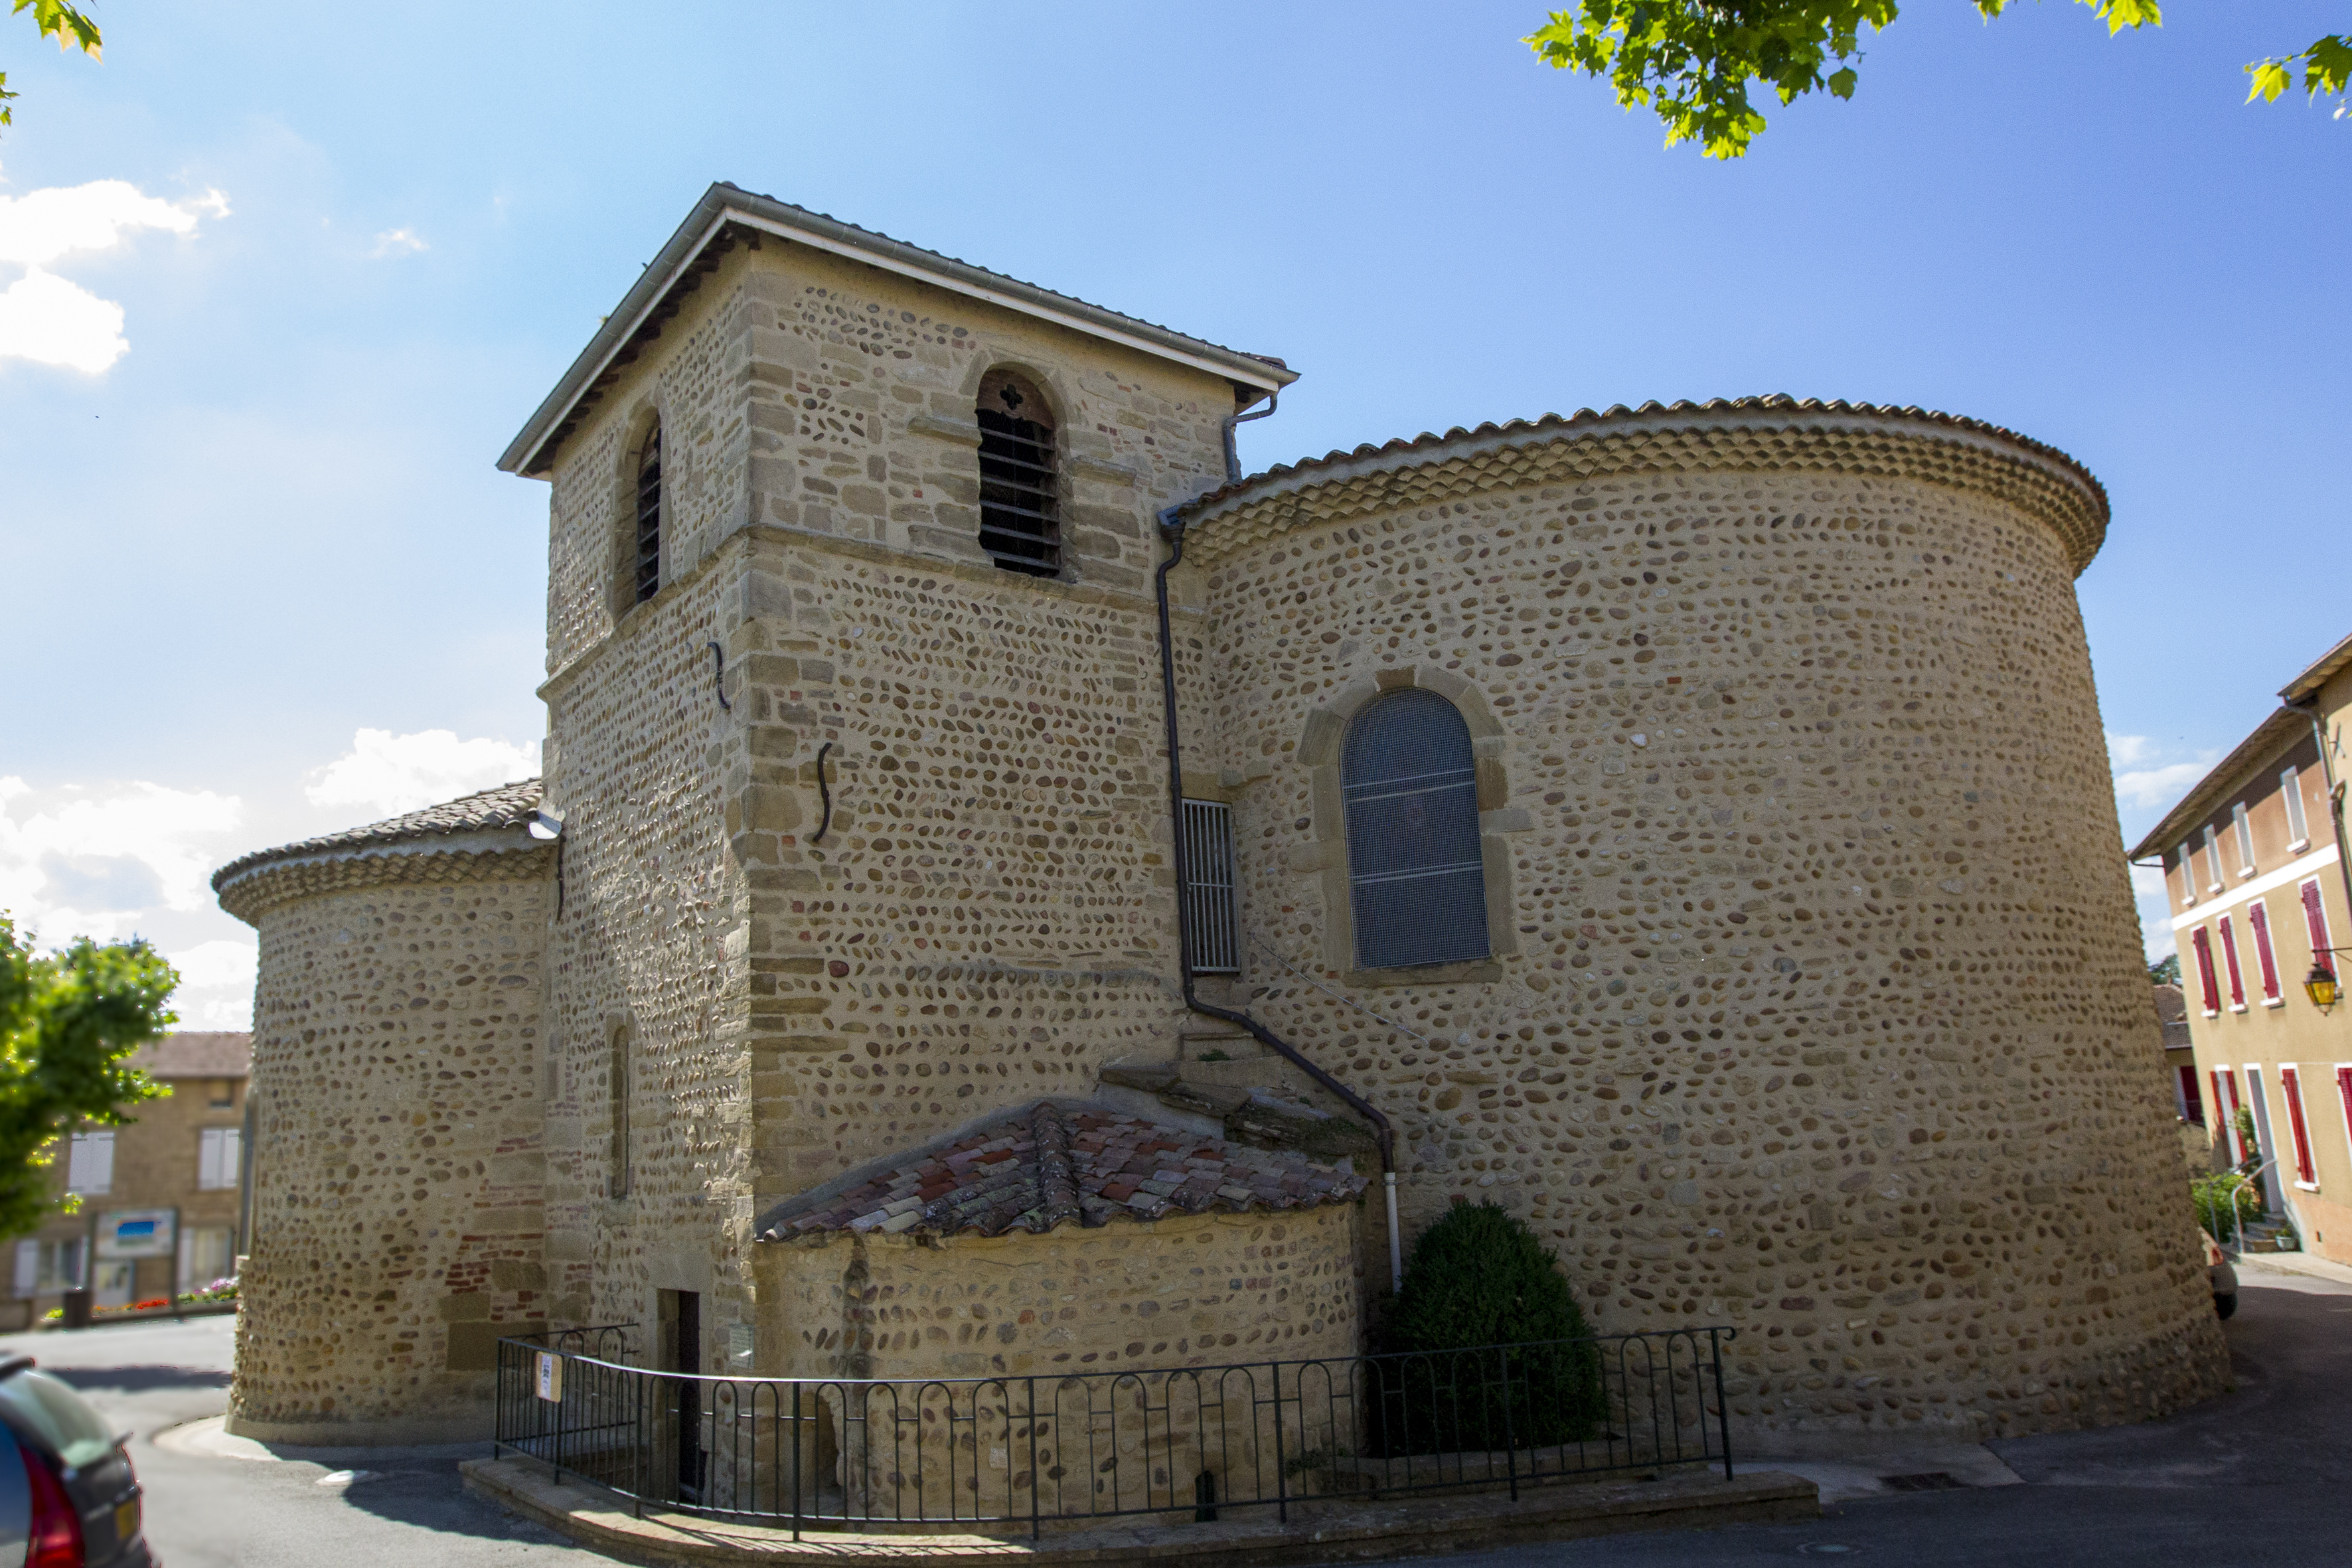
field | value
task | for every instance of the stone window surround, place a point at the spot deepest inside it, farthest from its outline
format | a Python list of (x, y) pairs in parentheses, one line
[(643, 418), (986, 358), (1318, 748)]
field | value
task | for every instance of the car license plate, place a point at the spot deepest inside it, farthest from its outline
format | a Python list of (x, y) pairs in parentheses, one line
[(126, 1520)]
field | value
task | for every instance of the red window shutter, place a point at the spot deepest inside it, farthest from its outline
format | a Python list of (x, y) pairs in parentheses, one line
[(2229, 960), (2225, 1101), (2258, 922), (2344, 1092), (2189, 1098), (2292, 1081), (2206, 984), (2315, 920)]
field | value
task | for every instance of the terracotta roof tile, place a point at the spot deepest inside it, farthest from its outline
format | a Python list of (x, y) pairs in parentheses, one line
[(1036, 1170), (196, 1053)]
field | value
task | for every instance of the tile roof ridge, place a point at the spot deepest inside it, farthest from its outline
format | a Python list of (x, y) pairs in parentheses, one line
[(1058, 1182)]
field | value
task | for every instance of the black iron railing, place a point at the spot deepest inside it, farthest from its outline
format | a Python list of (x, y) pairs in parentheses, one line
[(840, 1453)]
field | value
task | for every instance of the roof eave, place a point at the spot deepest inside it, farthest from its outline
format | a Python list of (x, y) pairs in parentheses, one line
[(723, 204), (2329, 665), (2273, 734)]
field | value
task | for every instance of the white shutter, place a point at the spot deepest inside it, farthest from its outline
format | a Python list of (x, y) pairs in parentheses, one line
[(208, 1159), (232, 1154), (90, 1168), (29, 1268), (180, 1272)]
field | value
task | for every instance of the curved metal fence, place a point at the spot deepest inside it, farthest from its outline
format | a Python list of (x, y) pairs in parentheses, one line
[(884, 1453)]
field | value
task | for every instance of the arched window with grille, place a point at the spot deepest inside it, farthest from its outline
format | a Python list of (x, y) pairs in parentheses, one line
[(1416, 879), (1020, 490), (646, 558)]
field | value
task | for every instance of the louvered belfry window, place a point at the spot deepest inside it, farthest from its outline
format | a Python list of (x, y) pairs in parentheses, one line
[(1020, 494), (1417, 881), (1209, 903), (649, 516)]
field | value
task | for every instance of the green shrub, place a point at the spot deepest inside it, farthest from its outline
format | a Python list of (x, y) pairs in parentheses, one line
[(1478, 1279), (2216, 1194)]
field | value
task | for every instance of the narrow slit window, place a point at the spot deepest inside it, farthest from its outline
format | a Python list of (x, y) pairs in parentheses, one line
[(617, 1182), (2244, 824), (1020, 492), (1209, 892), (1416, 875), (2298, 831), (647, 560)]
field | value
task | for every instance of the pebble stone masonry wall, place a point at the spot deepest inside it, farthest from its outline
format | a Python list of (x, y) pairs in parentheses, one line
[(1817, 1008), (396, 1217), (988, 916)]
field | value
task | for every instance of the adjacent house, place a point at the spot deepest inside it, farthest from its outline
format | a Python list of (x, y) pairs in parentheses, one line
[(2255, 870), (161, 1197)]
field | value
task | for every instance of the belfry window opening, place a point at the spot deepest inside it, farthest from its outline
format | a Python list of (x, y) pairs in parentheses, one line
[(1020, 492), (647, 557)]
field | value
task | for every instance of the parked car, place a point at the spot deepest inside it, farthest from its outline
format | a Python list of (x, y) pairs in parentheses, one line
[(68, 1496), (2223, 1277)]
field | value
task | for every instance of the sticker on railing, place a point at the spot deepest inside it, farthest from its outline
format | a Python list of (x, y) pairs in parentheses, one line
[(549, 1380)]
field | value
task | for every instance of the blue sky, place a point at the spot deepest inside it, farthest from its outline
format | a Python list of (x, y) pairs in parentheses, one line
[(261, 579)]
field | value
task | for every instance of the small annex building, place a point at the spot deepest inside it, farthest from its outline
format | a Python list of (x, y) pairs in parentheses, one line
[(1687, 827)]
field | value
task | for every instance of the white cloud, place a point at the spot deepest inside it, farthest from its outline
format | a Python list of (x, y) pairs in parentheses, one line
[(398, 242), (2152, 789), (215, 984), (393, 774), (49, 321), (94, 860), (2124, 749)]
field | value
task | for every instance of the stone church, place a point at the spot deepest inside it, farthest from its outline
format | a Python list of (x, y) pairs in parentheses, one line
[(1010, 893)]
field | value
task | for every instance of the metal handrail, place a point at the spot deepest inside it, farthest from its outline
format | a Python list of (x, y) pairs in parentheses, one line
[(1019, 1449)]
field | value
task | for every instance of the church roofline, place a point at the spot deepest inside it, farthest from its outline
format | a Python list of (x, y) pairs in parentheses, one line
[(683, 260), (2081, 518), (458, 824)]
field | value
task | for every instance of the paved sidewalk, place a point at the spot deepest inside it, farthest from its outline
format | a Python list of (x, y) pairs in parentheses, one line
[(2301, 1263)]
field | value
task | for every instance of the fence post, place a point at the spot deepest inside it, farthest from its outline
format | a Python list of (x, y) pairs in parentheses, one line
[(1510, 1436), (1036, 1482), (1281, 1466), (1722, 1405)]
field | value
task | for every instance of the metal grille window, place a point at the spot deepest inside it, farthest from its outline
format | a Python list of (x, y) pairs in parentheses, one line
[(1209, 895), (1020, 495), (1415, 874), (649, 517)]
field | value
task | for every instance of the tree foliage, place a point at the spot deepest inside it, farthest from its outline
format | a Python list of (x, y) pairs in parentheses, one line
[(1692, 61), (69, 1023), (55, 19), (2165, 970)]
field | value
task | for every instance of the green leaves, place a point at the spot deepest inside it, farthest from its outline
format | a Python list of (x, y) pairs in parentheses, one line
[(69, 1023), (2325, 65), (1691, 61), (55, 19)]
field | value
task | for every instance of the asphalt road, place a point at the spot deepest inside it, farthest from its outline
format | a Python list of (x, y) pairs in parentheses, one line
[(214, 1512), (2258, 1476)]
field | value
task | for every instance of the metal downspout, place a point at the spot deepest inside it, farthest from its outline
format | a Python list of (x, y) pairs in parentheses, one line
[(1383, 1134)]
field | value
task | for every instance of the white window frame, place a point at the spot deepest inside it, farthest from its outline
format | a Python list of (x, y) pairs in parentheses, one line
[(2227, 1106), (2272, 976), (2298, 825), (2188, 874), (2243, 822), (2233, 971), (2343, 1111), (227, 1142), (2212, 859), (2294, 1070), (96, 1138), (2258, 1100)]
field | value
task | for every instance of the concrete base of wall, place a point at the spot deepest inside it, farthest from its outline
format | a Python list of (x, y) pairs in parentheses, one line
[(392, 1432), (1245, 1538)]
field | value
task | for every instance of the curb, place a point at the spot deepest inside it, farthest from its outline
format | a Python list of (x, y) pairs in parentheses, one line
[(603, 1521)]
